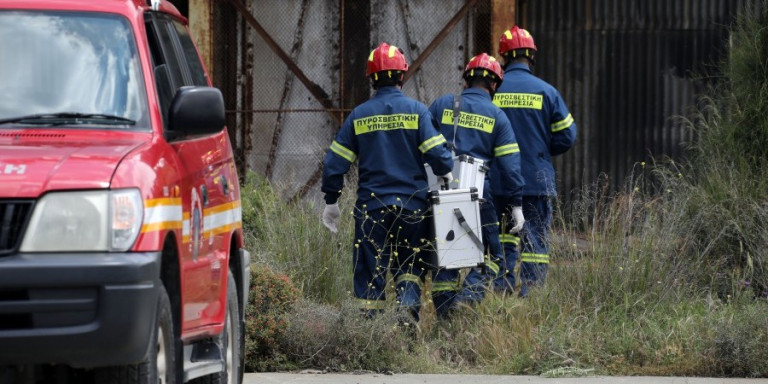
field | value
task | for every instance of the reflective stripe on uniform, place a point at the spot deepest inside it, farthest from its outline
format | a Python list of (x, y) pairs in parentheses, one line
[(431, 143), (534, 258), (493, 267), (371, 304), (507, 238), (343, 151), (506, 149), (445, 286), (562, 124), (407, 277)]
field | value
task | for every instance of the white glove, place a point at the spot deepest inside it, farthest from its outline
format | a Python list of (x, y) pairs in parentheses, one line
[(518, 219), (445, 179), (331, 215)]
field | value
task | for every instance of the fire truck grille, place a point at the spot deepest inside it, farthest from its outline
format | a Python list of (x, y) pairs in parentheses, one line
[(13, 218)]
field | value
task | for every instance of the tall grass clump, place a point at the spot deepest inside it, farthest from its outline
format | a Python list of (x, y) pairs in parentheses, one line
[(727, 204), (290, 238)]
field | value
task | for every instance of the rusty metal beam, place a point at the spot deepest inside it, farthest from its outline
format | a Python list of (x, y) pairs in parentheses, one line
[(438, 38), (415, 66), (320, 95), (201, 25), (502, 18)]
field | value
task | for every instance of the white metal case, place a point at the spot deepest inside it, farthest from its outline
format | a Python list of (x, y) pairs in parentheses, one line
[(456, 225), (468, 172)]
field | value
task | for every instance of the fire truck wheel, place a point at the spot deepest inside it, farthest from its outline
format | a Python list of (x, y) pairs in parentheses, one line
[(230, 341), (160, 365)]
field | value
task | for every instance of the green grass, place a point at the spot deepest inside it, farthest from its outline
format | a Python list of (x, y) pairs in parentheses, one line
[(667, 277), (291, 239), (627, 297)]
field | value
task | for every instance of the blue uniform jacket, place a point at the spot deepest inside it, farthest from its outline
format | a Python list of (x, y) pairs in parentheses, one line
[(391, 136), (483, 132), (543, 126)]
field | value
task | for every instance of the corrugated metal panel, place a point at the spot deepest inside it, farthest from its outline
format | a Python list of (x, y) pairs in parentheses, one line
[(625, 69)]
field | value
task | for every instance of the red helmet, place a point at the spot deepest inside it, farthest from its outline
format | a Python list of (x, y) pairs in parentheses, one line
[(386, 58), (485, 63), (516, 39)]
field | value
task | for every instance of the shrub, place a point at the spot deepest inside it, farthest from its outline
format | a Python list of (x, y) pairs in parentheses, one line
[(342, 339), (737, 346), (270, 298), (726, 204)]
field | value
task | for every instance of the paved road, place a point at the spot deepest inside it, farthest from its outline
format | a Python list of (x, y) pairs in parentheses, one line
[(372, 378)]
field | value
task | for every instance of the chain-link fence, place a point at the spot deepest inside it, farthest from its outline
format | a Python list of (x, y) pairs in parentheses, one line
[(292, 70)]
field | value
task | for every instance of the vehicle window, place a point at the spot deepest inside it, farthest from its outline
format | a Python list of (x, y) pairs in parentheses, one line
[(190, 53), (167, 72), (163, 31), (70, 64)]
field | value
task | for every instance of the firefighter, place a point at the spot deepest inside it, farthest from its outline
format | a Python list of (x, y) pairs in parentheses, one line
[(544, 128), (482, 131), (390, 136)]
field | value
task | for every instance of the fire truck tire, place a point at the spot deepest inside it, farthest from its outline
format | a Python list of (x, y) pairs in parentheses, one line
[(230, 341), (160, 364)]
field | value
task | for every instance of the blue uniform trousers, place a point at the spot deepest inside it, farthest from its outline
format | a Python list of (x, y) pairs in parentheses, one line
[(389, 239), (534, 256)]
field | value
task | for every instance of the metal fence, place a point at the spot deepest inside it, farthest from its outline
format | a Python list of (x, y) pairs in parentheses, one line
[(628, 71), (291, 71)]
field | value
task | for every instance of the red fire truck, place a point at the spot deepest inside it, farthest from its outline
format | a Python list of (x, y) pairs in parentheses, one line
[(121, 245)]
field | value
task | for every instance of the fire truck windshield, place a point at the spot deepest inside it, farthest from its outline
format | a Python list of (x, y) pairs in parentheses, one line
[(71, 68)]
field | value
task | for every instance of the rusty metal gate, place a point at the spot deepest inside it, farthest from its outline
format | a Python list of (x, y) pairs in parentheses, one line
[(292, 70)]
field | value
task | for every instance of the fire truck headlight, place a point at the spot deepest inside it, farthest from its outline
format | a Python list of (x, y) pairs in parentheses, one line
[(126, 213), (87, 221)]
